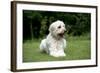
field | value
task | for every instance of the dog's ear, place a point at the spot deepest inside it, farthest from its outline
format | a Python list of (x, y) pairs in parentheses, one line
[(51, 28)]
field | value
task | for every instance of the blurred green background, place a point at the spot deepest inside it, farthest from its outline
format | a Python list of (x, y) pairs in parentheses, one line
[(35, 28)]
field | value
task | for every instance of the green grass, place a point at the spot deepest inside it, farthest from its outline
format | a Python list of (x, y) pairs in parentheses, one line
[(78, 48)]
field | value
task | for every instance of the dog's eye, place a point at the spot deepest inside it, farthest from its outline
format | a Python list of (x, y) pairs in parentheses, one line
[(59, 27)]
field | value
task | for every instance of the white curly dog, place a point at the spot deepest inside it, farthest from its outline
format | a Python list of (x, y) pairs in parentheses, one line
[(55, 43)]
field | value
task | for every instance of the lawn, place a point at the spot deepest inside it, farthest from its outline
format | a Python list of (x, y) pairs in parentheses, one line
[(78, 48)]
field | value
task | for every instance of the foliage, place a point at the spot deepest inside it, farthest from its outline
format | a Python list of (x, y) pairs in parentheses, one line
[(36, 23)]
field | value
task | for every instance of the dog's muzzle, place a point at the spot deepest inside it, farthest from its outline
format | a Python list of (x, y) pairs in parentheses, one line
[(62, 34)]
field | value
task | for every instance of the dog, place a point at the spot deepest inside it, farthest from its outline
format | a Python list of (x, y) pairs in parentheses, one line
[(55, 43)]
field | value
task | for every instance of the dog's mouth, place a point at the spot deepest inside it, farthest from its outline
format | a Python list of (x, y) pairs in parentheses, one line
[(61, 34)]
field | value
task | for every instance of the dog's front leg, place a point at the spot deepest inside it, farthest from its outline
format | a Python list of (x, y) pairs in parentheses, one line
[(53, 52), (56, 53)]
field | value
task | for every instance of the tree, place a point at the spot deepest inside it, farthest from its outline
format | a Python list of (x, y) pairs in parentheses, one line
[(36, 23)]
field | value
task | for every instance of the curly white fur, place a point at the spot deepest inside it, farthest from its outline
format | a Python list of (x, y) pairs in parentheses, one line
[(55, 43)]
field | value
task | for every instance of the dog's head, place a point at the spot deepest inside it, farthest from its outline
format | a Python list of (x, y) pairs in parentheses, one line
[(57, 29)]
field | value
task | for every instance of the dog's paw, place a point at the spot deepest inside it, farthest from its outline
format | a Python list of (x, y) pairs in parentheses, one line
[(54, 54), (57, 54), (62, 55)]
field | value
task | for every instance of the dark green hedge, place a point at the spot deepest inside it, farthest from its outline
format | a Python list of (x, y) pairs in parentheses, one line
[(36, 23)]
